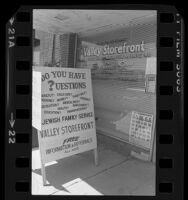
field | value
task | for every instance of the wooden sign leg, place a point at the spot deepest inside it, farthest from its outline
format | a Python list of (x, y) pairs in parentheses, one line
[(96, 157), (43, 171), (43, 174)]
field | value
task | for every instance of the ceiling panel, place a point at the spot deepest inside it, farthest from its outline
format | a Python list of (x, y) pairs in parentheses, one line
[(84, 22)]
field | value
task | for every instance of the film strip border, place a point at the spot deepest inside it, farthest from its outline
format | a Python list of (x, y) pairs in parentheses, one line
[(169, 137), (169, 105), (18, 105)]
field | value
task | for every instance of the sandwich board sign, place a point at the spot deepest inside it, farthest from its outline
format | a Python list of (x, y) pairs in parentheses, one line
[(63, 113)]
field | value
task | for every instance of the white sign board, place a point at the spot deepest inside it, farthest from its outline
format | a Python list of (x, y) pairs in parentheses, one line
[(67, 120), (141, 129)]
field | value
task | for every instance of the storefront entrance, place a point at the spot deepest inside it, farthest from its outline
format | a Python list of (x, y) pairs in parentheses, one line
[(122, 59)]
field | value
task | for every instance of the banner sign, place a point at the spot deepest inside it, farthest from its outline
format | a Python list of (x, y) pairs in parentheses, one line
[(118, 51), (67, 117), (110, 50), (140, 132)]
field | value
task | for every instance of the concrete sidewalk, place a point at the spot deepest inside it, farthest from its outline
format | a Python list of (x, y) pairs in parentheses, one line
[(77, 175)]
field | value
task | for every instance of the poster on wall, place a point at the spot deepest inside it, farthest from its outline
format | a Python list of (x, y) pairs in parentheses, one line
[(150, 85), (140, 132), (36, 58), (151, 63), (67, 112), (150, 75)]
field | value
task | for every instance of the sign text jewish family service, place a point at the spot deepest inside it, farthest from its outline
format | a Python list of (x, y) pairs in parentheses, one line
[(67, 113)]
